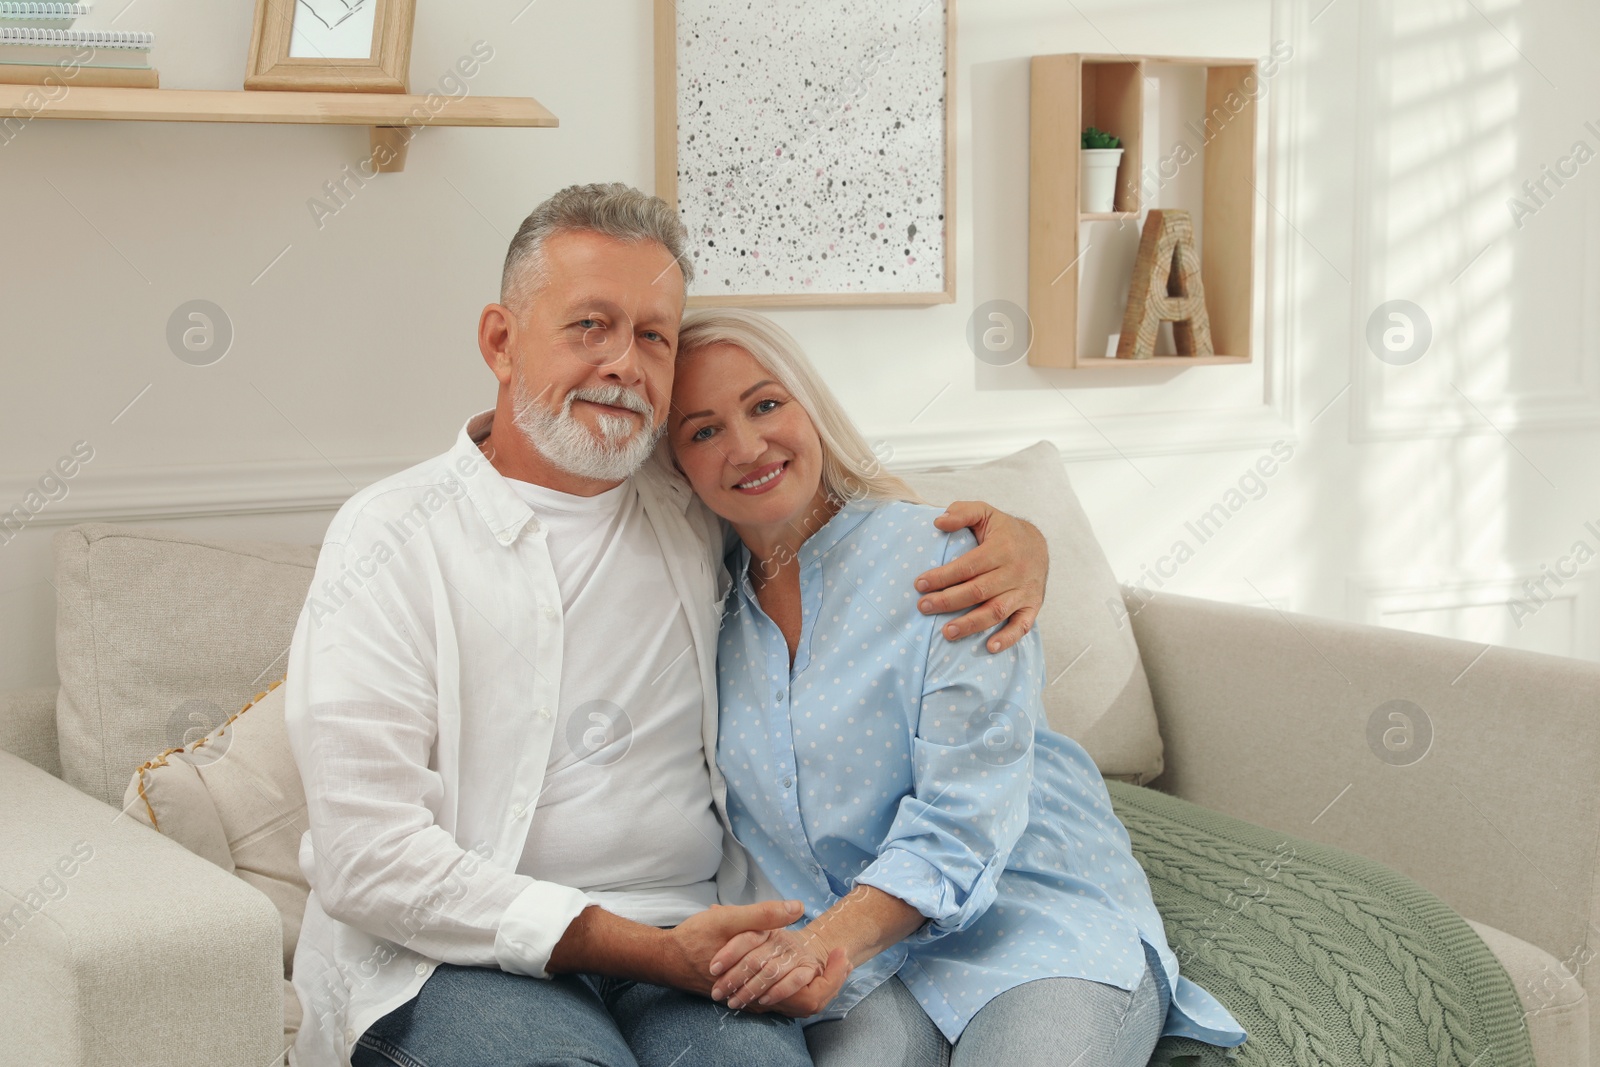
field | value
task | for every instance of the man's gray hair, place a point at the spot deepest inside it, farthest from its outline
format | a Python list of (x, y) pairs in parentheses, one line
[(613, 209)]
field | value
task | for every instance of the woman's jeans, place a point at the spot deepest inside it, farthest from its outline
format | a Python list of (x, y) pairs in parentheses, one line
[(486, 1017), (1050, 1022)]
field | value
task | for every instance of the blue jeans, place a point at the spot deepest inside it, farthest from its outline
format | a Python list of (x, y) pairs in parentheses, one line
[(486, 1017), (1050, 1022)]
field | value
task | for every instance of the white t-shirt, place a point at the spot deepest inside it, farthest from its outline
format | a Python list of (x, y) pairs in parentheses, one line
[(626, 810)]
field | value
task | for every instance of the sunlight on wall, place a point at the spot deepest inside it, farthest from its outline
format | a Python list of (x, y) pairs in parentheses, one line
[(1440, 136)]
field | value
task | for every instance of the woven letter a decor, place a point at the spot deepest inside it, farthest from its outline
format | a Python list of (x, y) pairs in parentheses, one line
[(1166, 287)]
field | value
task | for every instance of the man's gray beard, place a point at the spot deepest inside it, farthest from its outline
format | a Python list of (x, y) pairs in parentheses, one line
[(572, 447)]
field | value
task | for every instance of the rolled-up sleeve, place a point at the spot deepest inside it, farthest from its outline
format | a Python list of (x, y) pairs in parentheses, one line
[(972, 767), (362, 716)]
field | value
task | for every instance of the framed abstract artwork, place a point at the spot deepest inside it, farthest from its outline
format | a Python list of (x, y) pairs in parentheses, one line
[(808, 146), (331, 45)]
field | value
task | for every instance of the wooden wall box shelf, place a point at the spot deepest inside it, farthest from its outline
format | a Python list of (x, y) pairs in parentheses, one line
[(387, 114), (1074, 91)]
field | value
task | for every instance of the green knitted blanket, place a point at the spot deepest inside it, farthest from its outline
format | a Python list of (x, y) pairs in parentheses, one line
[(1323, 957)]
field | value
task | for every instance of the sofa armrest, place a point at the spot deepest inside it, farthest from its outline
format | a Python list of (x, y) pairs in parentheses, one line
[(1286, 720), (118, 946), (28, 726)]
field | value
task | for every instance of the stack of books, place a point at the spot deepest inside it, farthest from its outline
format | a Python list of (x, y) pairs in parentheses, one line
[(39, 46)]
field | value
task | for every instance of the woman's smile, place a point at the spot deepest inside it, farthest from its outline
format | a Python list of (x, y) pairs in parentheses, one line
[(762, 479)]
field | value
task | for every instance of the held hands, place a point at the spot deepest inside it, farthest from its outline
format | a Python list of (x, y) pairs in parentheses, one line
[(1004, 575), (799, 972), (695, 941), (788, 971)]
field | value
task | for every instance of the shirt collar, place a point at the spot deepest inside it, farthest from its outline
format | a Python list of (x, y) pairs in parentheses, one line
[(846, 519), (659, 473), (819, 544), (502, 510)]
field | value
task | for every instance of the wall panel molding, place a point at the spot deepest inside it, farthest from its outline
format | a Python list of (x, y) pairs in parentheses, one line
[(298, 485), (127, 495), (1379, 598)]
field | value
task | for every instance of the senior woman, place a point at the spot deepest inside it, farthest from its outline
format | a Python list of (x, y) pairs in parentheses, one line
[(970, 896)]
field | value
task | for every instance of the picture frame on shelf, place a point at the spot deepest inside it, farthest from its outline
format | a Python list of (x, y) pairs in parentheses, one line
[(358, 46)]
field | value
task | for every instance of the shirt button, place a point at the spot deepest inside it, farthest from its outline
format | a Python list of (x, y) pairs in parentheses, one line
[(778, 696), (517, 810), (349, 1035), (422, 968), (544, 713), (549, 612), (788, 782)]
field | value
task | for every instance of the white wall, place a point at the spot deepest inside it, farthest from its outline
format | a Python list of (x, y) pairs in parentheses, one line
[(1418, 496)]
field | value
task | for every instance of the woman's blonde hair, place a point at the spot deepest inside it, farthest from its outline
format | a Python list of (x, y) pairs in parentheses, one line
[(850, 469)]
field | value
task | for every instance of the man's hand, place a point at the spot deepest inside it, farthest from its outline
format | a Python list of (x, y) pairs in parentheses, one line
[(694, 942), (786, 971), (1004, 575)]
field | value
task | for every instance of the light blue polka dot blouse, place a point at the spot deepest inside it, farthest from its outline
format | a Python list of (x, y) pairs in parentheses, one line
[(891, 757)]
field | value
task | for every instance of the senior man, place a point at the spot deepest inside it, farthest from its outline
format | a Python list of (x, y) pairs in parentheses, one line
[(502, 698)]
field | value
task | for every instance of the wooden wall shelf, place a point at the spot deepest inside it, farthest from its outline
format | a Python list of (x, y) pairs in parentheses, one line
[(386, 114), (1071, 92)]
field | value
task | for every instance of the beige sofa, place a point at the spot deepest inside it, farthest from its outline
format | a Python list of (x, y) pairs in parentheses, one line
[(143, 952)]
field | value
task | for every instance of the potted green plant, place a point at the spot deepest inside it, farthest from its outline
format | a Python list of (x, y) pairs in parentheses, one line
[(1099, 157)]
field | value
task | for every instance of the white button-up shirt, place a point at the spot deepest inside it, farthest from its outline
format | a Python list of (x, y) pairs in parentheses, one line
[(422, 682)]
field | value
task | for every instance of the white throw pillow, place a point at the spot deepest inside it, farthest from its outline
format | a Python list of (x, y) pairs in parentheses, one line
[(1096, 691), (234, 797)]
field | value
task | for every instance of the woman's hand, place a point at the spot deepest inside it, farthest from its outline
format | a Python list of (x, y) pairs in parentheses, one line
[(788, 971), (800, 972), (1004, 575)]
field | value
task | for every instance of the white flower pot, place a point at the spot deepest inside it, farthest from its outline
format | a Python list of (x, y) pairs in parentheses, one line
[(1097, 178)]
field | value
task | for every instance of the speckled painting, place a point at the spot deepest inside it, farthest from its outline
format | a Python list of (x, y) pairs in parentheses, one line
[(811, 148)]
